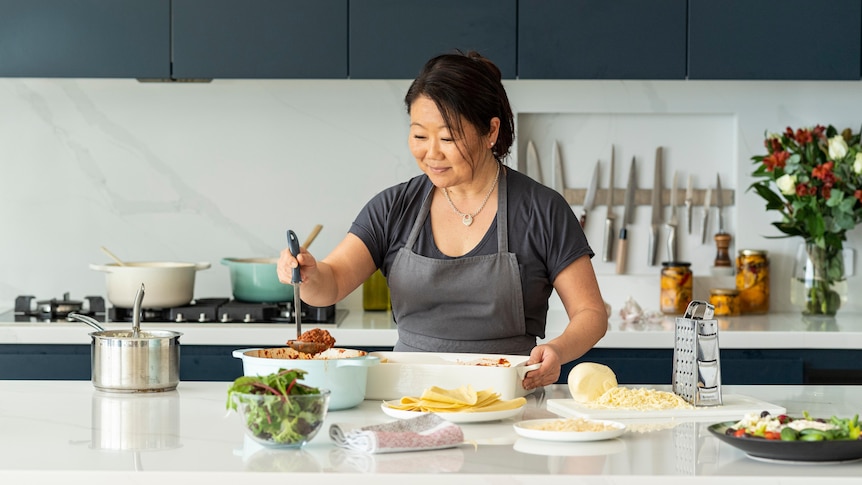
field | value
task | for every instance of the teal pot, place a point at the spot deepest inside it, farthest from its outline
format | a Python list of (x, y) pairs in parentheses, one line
[(256, 280)]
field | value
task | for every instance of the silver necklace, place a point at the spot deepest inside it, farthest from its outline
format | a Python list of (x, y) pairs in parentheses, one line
[(467, 219)]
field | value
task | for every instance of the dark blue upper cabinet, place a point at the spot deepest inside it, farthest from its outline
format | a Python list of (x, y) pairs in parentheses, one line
[(259, 39), (392, 39), (85, 38), (601, 39), (780, 40)]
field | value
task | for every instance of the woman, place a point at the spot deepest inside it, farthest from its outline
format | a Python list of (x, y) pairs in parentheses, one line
[(471, 249)]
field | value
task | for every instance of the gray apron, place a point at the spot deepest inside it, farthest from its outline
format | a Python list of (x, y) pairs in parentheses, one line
[(469, 304)]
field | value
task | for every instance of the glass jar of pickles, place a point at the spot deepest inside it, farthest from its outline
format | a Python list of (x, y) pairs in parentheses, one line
[(676, 287), (752, 281), (725, 301)]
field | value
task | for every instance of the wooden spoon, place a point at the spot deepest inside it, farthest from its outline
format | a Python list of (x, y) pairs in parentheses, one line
[(112, 256), (311, 236)]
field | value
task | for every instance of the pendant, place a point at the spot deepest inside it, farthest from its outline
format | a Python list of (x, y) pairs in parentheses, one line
[(467, 220)]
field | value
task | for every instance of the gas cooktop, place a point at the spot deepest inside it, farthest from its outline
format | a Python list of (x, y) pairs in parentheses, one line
[(202, 310)]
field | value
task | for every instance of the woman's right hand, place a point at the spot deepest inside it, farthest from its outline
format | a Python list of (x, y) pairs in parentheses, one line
[(286, 262)]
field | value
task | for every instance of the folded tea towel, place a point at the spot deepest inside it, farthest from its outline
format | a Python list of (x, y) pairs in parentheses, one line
[(424, 432)]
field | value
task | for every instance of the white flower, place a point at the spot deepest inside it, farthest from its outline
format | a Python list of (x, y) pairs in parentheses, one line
[(857, 165), (837, 147), (787, 184)]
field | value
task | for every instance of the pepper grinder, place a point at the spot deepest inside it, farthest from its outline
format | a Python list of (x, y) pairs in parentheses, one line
[(722, 255)]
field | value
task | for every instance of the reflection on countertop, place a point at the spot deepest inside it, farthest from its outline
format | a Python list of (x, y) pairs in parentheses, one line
[(187, 434)]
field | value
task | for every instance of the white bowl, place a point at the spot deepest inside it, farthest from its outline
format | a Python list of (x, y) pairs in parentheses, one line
[(345, 377)]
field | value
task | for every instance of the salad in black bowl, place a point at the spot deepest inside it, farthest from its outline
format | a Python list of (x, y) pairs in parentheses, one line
[(788, 438)]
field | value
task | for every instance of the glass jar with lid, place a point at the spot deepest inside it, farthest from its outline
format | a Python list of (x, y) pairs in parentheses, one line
[(752, 281), (676, 287), (725, 301)]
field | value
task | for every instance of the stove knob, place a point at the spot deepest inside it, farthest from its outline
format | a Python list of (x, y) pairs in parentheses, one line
[(247, 318), (180, 318), (202, 317), (225, 318)]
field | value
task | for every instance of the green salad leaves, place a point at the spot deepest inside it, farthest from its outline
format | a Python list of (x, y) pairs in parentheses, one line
[(277, 408)]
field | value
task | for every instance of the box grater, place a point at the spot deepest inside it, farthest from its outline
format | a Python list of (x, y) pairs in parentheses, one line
[(696, 367)]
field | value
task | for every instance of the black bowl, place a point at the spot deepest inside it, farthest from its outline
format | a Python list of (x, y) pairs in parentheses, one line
[(810, 451)]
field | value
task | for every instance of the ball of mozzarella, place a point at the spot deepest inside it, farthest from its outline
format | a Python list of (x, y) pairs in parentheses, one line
[(588, 381)]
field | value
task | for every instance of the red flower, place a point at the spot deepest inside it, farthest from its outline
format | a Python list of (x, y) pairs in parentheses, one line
[(803, 136), (789, 133), (826, 191), (812, 190), (773, 144), (823, 171), (819, 132), (801, 190), (858, 195), (777, 159)]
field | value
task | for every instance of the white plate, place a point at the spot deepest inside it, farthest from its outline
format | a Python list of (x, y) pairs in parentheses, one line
[(475, 417), (525, 429)]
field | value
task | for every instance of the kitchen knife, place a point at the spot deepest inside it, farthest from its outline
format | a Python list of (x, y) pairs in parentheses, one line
[(689, 200), (722, 238), (673, 222), (590, 197), (607, 252), (704, 222), (557, 164), (656, 209), (719, 203), (628, 218), (534, 170)]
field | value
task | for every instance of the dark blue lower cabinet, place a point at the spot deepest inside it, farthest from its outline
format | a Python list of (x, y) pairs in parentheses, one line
[(738, 366), (632, 366)]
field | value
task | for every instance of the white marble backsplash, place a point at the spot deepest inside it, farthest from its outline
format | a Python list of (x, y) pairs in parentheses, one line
[(199, 172)]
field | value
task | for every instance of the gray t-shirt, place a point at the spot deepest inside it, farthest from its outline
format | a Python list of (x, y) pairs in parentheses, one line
[(543, 232)]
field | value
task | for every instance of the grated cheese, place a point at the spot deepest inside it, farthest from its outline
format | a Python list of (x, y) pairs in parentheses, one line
[(580, 425), (639, 399)]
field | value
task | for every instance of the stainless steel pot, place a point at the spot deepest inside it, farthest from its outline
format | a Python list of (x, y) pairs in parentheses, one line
[(133, 360), (170, 284)]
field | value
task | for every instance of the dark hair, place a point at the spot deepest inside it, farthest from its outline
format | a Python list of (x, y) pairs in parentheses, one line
[(470, 86)]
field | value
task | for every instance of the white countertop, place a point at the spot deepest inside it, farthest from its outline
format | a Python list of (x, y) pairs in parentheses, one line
[(68, 432), (375, 329)]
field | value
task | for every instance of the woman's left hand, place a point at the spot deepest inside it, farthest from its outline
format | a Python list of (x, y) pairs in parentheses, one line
[(548, 373)]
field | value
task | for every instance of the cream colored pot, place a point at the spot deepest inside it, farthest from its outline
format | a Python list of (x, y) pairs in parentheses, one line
[(169, 284)]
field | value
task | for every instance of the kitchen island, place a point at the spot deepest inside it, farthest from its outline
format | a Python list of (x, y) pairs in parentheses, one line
[(776, 348), (68, 432)]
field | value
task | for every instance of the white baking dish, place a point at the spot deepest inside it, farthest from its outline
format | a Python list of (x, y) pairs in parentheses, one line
[(410, 373)]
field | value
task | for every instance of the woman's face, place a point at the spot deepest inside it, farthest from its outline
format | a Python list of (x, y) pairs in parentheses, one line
[(447, 159)]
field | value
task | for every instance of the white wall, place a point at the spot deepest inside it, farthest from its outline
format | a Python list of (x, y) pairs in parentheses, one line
[(198, 172)]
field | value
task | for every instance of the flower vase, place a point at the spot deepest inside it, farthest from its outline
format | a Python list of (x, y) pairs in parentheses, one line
[(819, 285)]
